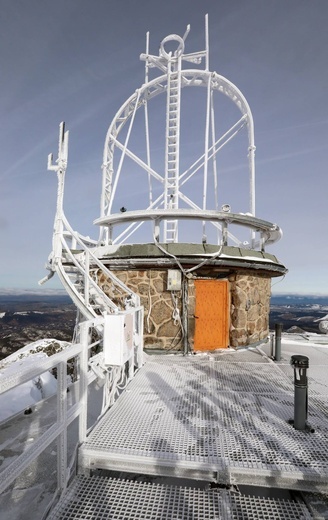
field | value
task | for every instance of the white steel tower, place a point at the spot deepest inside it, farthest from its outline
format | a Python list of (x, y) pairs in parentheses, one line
[(170, 198)]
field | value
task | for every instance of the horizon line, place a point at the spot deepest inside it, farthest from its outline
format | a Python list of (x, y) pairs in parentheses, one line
[(61, 291)]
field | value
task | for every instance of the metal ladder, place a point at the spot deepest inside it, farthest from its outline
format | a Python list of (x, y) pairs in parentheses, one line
[(172, 152)]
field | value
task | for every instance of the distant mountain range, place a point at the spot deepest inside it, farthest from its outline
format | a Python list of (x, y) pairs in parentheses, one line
[(283, 298), (299, 299), (28, 316)]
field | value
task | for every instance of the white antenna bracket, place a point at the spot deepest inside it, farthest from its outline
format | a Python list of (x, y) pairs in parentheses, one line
[(61, 161)]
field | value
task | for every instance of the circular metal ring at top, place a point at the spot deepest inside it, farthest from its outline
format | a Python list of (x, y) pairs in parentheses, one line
[(178, 51)]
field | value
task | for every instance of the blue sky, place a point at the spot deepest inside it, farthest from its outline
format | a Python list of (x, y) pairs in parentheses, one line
[(78, 61)]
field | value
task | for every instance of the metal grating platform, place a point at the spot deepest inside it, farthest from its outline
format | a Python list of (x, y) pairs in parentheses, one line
[(100, 498), (204, 418)]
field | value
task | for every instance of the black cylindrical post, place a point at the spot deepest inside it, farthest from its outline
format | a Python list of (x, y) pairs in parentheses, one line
[(300, 364), (277, 351)]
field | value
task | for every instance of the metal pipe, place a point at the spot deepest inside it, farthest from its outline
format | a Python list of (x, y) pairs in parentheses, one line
[(277, 351), (272, 345), (185, 323)]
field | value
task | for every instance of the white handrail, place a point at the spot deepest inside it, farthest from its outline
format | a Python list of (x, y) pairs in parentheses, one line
[(135, 298), (65, 414), (27, 373)]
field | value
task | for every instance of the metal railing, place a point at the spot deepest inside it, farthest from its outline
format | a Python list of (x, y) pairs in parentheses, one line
[(73, 259), (89, 368), (82, 260)]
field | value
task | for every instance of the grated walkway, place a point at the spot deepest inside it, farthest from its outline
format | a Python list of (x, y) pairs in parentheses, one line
[(100, 498), (217, 418)]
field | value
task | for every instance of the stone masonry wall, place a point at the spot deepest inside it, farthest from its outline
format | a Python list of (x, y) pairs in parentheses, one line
[(249, 297), (250, 307), (161, 330)]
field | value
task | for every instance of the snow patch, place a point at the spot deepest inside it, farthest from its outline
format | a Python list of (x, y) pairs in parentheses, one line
[(24, 396), (322, 319), (28, 394)]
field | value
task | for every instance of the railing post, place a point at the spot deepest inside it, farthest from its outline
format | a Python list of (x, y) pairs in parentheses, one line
[(83, 386), (185, 321), (139, 332), (224, 233), (62, 420), (86, 277), (262, 242)]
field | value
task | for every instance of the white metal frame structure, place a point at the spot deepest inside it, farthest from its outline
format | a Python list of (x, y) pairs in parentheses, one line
[(79, 270), (89, 369), (173, 199), (74, 262)]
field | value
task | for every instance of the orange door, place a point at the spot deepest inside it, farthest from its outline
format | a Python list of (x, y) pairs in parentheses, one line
[(211, 315)]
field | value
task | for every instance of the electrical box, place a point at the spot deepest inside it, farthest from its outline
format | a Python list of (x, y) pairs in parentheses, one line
[(118, 338), (173, 280)]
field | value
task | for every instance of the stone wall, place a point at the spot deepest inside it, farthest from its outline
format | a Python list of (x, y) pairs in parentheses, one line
[(249, 297), (250, 307), (161, 329)]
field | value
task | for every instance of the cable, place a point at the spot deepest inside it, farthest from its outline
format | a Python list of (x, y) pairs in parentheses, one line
[(187, 271), (278, 281), (176, 312), (149, 304)]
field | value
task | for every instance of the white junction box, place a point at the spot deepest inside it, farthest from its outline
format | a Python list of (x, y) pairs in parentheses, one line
[(173, 280), (118, 338)]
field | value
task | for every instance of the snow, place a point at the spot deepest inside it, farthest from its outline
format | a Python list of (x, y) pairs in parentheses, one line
[(2, 314), (323, 318), (31, 348), (26, 313), (24, 396)]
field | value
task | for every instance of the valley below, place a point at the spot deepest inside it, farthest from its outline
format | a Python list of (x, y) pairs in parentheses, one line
[(28, 318), (24, 319)]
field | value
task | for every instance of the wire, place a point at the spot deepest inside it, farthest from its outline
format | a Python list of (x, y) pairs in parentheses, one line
[(278, 281), (187, 271), (149, 304), (176, 312)]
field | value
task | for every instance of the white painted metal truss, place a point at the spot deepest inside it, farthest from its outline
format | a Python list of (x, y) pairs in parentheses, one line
[(72, 257), (170, 186)]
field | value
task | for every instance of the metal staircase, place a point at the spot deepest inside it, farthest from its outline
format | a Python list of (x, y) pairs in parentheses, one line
[(76, 265), (79, 271)]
